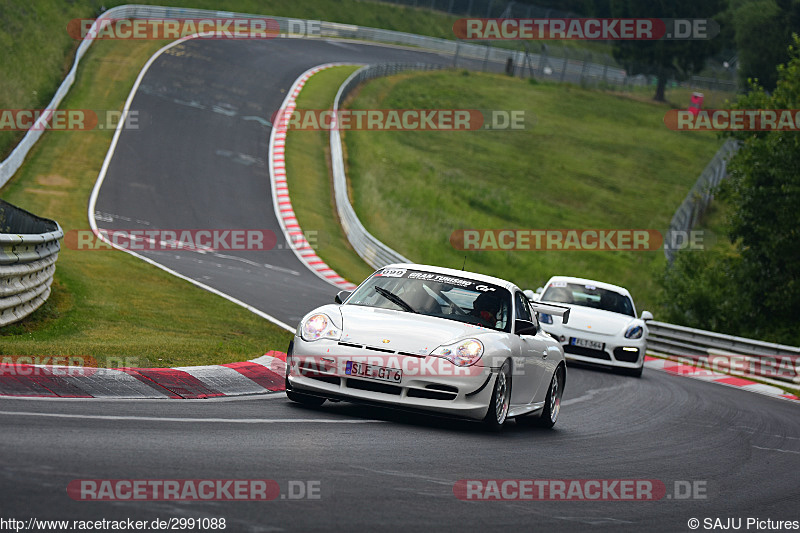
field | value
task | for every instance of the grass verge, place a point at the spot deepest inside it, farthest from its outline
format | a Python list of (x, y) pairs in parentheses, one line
[(591, 160), (108, 304)]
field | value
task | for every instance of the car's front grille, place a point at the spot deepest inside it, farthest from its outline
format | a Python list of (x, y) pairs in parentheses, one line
[(372, 386), (628, 356), (333, 380), (379, 350), (587, 352)]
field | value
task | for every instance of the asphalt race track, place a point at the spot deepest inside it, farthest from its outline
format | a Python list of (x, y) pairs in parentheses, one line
[(396, 472), (197, 162)]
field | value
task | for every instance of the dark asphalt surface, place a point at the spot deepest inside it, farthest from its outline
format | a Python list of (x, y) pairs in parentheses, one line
[(197, 162), (396, 471)]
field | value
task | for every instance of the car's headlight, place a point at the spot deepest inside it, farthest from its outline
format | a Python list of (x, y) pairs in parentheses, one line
[(634, 332), (544, 318), (319, 326), (463, 353)]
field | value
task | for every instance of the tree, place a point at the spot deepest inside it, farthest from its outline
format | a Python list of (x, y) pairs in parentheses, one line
[(753, 289), (665, 58), (763, 29)]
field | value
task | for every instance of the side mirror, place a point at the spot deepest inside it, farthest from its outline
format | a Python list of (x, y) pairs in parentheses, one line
[(341, 296), (647, 315), (525, 327), (540, 290)]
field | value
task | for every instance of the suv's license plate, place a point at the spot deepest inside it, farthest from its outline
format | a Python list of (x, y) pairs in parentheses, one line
[(382, 373), (586, 343)]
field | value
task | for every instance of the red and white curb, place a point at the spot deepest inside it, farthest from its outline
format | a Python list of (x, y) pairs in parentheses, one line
[(280, 190), (703, 374), (258, 376)]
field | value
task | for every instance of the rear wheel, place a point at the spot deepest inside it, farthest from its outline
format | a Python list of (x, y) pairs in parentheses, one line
[(501, 399), (552, 404)]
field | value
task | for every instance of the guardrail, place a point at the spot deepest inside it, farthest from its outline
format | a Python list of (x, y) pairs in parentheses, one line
[(696, 202), (374, 252), (29, 247), (774, 363)]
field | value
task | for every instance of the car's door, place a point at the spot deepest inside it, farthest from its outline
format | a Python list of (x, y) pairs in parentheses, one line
[(530, 368)]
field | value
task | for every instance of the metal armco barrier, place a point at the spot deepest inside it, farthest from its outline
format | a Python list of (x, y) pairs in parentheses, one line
[(374, 252), (726, 352), (696, 202), (29, 247)]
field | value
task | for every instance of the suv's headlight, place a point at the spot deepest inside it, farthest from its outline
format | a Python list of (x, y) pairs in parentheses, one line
[(462, 353), (319, 326), (634, 332)]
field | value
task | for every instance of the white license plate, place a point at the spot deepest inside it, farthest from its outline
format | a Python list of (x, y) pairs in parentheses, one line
[(586, 343), (363, 370)]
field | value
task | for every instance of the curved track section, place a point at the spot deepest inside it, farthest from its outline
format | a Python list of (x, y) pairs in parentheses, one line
[(199, 161), (378, 470)]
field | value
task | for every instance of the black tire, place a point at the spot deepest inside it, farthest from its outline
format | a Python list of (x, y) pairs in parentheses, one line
[(635, 372), (552, 402), (501, 399), (305, 399)]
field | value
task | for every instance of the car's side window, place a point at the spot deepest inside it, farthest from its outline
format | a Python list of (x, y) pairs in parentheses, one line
[(522, 311)]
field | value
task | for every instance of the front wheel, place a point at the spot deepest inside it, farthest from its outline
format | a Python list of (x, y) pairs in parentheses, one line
[(501, 399)]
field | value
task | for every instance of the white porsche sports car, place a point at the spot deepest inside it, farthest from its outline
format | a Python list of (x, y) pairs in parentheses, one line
[(603, 327), (433, 339)]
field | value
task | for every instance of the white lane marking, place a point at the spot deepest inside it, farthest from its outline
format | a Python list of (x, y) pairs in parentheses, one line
[(102, 176), (776, 450), (589, 395), (207, 420)]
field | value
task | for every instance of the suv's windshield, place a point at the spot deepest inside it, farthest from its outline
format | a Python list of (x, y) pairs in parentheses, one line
[(588, 296), (430, 294)]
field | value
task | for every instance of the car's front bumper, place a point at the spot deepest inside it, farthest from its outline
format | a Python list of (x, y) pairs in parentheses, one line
[(428, 383), (617, 351)]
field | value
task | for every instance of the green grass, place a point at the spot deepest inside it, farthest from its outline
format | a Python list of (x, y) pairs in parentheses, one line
[(38, 52), (590, 160), (310, 185), (108, 304)]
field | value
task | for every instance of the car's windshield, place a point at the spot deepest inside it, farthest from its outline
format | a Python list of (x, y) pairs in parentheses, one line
[(588, 296), (430, 294)]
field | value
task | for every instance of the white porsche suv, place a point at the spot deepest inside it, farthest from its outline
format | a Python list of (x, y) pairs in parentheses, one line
[(603, 326)]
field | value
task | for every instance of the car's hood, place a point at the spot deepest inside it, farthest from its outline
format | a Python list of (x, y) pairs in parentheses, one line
[(400, 331), (597, 321)]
